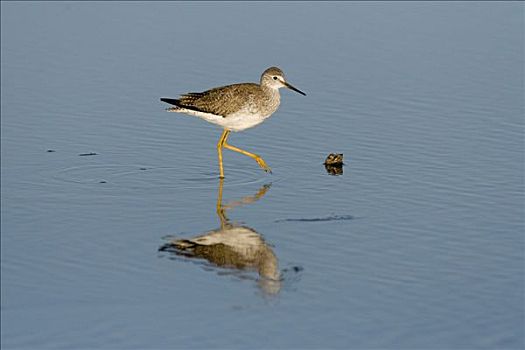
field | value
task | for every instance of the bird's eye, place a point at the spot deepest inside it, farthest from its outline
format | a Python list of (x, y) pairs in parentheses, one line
[(274, 78)]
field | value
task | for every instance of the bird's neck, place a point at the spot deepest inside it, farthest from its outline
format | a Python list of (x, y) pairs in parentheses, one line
[(273, 95), (271, 91)]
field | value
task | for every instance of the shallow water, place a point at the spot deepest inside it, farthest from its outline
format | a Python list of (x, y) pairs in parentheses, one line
[(418, 244)]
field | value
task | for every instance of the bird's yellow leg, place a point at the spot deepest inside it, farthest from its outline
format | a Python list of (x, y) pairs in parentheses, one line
[(220, 144), (257, 158)]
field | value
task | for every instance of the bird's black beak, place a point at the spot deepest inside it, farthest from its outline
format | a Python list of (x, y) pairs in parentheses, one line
[(289, 86)]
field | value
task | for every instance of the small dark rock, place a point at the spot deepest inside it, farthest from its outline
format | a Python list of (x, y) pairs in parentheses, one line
[(334, 164), (334, 159)]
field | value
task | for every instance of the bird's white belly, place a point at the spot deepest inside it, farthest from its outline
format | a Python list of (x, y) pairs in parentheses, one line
[(235, 122), (242, 120)]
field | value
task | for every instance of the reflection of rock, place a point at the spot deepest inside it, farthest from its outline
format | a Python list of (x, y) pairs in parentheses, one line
[(233, 246), (334, 169)]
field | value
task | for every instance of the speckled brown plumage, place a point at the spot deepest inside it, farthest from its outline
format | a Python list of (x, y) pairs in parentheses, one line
[(226, 100)]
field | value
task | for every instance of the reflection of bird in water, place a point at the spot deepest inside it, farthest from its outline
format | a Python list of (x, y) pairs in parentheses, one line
[(233, 246)]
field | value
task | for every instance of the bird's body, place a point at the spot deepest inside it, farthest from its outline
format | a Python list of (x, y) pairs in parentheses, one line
[(235, 107)]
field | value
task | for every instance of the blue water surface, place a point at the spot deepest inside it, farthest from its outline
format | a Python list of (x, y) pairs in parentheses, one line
[(419, 243)]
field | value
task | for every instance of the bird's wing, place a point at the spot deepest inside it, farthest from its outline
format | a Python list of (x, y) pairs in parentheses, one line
[(222, 101)]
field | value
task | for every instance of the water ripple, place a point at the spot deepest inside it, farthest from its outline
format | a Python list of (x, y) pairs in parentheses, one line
[(145, 176)]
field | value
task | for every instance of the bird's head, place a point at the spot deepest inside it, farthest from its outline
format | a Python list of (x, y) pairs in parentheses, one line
[(274, 78)]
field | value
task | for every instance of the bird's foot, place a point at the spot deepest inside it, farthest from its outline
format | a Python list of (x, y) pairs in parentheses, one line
[(263, 165)]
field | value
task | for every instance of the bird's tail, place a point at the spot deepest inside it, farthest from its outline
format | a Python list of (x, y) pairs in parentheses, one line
[(172, 101)]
